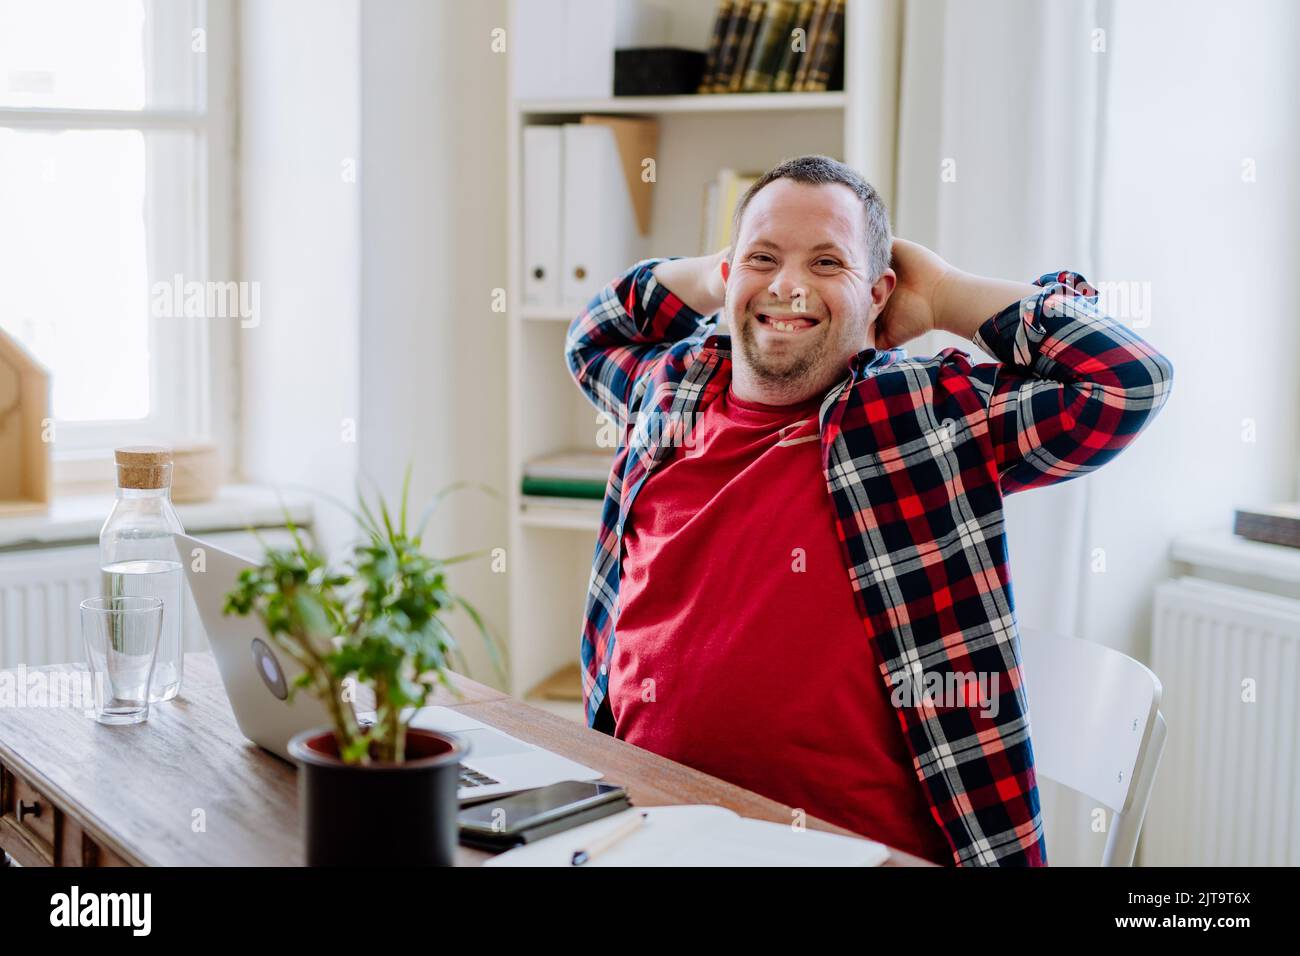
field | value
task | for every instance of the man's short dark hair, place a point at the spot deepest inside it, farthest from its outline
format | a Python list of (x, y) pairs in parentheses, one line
[(819, 171)]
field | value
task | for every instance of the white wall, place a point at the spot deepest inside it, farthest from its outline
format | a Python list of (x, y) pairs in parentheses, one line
[(432, 370), (372, 161), (1124, 162), (299, 237), (1220, 255)]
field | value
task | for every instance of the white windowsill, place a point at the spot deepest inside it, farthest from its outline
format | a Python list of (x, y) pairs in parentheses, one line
[(77, 518), (1223, 556)]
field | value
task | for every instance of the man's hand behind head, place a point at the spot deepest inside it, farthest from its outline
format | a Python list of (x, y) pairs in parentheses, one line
[(910, 311)]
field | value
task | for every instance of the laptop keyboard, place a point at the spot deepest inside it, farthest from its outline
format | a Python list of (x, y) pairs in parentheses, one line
[(466, 778), (472, 778)]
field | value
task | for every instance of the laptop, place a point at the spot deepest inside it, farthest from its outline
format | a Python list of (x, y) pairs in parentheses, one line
[(257, 676)]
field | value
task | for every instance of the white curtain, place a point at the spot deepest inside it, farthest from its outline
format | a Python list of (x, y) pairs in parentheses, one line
[(1152, 143)]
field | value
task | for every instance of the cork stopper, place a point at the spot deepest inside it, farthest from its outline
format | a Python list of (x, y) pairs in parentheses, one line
[(143, 466)]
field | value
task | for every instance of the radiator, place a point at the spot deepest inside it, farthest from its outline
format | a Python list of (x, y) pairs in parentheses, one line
[(41, 590), (39, 594), (1228, 788)]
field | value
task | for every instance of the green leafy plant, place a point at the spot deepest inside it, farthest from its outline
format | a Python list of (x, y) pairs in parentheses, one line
[(377, 620)]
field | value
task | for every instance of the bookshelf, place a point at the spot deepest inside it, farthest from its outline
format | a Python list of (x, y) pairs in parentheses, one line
[(550, 550), (710, 103)]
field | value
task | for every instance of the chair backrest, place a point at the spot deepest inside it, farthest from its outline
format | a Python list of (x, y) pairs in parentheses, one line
[(1096, 727)]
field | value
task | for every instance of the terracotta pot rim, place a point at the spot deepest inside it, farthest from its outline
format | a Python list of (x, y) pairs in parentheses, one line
[(304, 754)]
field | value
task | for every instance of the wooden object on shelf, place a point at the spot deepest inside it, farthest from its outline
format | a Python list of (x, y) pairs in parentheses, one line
[(196, 472), (637, 139), (26, 472), (1275, 524)]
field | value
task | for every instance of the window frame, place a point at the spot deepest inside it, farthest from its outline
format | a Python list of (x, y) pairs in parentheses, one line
[(194, 381)]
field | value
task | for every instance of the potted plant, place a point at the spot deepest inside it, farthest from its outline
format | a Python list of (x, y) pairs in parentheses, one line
[(383, 792)]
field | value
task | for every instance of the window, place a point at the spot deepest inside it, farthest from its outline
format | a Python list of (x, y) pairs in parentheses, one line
[(107, 148)]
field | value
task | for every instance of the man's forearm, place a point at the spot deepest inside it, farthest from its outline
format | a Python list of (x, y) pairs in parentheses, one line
[(963, 302), (696, 281), (627, 325)]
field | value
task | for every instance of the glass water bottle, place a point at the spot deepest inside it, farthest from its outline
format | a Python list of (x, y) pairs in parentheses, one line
[(138, 555)]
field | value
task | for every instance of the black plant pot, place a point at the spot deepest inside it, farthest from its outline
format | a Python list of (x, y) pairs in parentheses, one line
[(381, 814)]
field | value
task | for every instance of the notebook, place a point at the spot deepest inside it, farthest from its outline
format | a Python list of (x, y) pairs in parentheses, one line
[(699, 836)]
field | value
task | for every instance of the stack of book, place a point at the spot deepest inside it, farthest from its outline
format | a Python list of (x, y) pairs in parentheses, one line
[(720, 199), (775, 46), (567, 480)]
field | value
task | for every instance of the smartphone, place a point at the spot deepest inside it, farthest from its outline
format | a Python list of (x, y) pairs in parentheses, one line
[(504, 819)]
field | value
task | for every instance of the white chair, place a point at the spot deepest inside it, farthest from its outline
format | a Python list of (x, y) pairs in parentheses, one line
[(1096, 727)]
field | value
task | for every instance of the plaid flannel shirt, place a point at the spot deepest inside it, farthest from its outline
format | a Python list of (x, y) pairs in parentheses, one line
[(918, 454)]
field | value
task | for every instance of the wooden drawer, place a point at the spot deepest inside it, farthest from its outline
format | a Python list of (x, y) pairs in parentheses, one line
[(28, 821), (33, 813), (78, 848), (37, 833)]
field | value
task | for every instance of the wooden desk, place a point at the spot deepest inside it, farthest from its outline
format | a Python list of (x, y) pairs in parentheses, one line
[(187, 789)]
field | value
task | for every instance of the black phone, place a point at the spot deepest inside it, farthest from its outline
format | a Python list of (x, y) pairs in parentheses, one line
[(508, 819)]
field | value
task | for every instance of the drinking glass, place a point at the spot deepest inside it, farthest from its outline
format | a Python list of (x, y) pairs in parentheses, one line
[(121, 635)]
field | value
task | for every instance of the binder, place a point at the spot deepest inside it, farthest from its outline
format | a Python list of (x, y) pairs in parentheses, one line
[(564, 49), (599, 224), (543, 214), (537, 44)]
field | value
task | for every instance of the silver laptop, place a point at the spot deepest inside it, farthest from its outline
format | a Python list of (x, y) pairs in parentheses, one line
[(257, 677)]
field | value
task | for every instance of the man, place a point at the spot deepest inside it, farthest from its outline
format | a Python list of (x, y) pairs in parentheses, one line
[(801, 582)]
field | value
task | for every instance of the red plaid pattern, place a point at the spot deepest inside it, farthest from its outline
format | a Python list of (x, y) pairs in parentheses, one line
[(918, 454)]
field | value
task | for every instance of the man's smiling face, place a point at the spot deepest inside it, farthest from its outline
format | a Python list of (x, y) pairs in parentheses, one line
[(799, 295)]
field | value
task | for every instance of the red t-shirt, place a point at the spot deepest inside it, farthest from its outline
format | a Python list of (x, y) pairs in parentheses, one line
[(740, 650)]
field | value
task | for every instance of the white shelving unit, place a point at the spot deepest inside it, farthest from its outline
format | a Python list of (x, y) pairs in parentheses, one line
[(659, 105), (550, 552)]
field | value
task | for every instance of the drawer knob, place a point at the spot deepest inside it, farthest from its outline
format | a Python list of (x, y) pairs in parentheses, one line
[(32, 809)]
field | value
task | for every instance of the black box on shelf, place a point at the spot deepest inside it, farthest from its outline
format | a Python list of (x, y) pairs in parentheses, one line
[(657, 71)]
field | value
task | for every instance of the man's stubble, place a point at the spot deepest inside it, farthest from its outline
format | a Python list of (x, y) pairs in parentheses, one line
[(791, 373)]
